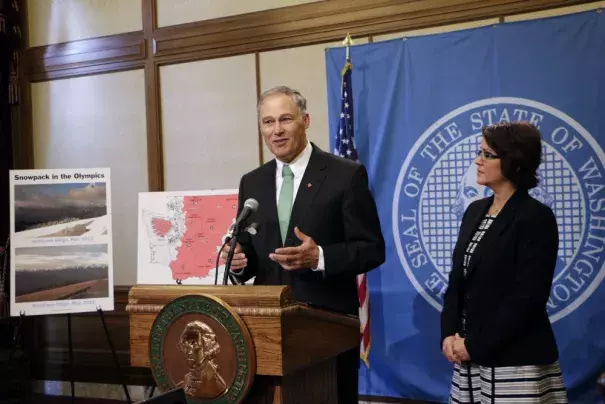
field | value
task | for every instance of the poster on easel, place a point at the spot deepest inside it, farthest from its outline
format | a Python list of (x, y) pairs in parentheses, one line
[(61, 241), (180, 235)]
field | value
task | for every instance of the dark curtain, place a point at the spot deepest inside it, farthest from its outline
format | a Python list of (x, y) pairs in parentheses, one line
[(10, 42), (14, 364)]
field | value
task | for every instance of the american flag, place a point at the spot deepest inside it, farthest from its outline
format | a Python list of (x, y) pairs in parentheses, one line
[(345, 147)]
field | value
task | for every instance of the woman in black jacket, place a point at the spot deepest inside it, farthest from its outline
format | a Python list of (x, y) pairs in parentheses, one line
[(494, 324)]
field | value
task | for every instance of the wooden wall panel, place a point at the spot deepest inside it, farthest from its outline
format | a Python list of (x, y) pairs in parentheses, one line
[(289, 27), (312, 23), (434, 30), (91, 56), (324, 22), (555, 12), (155, 161)]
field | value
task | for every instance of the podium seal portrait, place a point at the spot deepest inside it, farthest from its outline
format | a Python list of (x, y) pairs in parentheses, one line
[(200, 344)]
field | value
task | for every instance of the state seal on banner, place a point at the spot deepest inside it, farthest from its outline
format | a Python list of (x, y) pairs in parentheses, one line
[(438, 180), (200, 344)]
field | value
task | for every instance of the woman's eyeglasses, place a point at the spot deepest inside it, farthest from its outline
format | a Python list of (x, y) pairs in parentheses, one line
[(487, 155)]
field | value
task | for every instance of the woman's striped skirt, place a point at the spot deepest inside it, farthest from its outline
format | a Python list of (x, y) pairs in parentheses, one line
[(515, 384)]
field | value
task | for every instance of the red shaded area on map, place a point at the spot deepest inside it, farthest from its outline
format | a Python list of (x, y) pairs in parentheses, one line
[(207, 219), (161, 227)]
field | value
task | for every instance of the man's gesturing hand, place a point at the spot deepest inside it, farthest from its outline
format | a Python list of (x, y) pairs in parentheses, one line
[(304, 256)]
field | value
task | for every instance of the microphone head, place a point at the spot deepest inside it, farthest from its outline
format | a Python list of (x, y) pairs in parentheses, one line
[(251, 204)]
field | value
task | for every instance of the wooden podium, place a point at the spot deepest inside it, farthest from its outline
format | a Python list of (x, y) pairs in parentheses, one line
[(295, 345)]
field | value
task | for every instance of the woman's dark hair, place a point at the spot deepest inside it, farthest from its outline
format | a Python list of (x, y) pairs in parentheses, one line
[(519, 145)]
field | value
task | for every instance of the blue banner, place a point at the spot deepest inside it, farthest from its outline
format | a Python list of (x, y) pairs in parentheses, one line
[(420, 104)]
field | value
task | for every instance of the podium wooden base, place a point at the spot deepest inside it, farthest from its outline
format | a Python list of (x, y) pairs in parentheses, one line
[(315, 384), (295, 345)]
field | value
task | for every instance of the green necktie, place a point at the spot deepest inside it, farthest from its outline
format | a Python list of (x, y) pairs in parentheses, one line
[(284, 204)]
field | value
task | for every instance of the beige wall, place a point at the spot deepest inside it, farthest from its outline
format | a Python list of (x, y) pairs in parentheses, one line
[(55, 21), (207, 108), (173, 12), (209, 123)]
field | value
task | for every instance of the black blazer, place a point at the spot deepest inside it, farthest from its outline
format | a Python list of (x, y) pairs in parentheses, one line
[(507, 286), (333, 206)]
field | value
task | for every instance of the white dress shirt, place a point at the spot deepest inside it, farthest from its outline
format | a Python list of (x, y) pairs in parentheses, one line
[(298, 167)]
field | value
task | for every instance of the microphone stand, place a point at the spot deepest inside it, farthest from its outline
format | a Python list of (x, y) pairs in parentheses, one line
[(230, 254)]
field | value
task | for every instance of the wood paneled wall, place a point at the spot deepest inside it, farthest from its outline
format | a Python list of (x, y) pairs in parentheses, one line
[(288, 27), (281, 28)]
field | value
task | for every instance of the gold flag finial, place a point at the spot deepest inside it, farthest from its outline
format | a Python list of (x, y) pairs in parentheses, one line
[(348, 42)]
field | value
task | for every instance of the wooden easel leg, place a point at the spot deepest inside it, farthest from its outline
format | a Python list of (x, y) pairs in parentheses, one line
[(115, 357), (71, 360)]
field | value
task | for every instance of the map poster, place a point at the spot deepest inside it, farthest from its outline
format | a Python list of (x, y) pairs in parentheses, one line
[(181, 233), (61, 248)]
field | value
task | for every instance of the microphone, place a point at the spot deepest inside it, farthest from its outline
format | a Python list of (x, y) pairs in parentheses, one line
[(232, 241), (250, 206), (252, 230)]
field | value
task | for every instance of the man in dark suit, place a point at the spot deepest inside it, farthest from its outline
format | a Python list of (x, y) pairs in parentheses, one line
[(318, 223)]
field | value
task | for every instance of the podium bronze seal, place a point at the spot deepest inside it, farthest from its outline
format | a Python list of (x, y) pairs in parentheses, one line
[(199, 343)]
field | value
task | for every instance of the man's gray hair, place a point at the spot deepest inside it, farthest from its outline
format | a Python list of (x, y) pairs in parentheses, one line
[(298, 98)]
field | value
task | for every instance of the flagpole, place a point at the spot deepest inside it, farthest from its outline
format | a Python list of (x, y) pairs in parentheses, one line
[(345, 147)]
